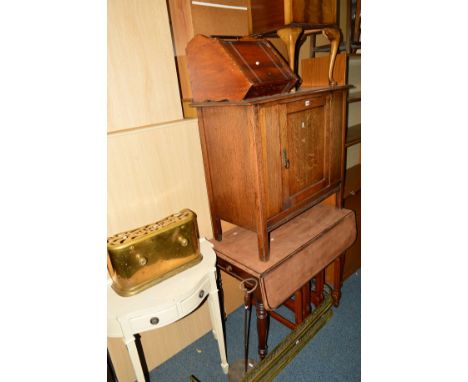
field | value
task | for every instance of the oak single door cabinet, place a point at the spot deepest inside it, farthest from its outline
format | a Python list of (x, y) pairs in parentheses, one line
[(269, 159)]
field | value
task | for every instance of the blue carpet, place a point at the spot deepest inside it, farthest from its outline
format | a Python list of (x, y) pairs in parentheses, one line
[(333, 355)]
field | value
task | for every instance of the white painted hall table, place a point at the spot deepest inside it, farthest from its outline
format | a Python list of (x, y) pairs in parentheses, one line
[(165, 303)]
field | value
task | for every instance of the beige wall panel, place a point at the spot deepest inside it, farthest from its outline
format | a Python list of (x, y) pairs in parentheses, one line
[(154, 172), (142, 78)]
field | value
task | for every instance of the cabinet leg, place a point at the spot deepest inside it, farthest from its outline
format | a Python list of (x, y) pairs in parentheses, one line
[(217, 230), (263, 238), (337, 279), (262, 328), (334, 37)]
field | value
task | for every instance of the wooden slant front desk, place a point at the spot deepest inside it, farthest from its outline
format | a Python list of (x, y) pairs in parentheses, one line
[(300, 249)]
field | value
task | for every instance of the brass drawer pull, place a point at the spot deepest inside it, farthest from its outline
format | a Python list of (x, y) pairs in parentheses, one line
[(141, 259), (201, 294), (182, 241)]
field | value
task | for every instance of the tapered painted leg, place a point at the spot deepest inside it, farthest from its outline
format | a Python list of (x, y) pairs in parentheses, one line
[(215, 315), (134, 358)]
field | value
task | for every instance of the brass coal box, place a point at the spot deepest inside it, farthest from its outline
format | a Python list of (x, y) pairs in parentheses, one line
[(142, 257)]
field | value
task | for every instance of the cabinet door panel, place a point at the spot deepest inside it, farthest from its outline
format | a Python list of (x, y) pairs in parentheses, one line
[(305, 152)]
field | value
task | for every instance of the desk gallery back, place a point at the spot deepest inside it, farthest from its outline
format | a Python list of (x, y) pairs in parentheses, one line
[(142, 257)]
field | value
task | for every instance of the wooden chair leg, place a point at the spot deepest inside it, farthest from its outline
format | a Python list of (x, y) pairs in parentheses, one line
[(289, 36), (298, 306), (317, 295), (306, 299), (334, 36), (337, 279)]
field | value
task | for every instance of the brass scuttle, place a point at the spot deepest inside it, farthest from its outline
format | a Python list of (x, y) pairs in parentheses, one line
[(140, 258)]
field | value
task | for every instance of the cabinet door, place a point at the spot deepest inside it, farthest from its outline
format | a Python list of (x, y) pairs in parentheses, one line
[(304, 149)]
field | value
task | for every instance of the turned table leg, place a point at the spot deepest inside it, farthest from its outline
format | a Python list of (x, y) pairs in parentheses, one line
[(262, 328)]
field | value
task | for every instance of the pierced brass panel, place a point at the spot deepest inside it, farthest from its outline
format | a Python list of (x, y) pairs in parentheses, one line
[(142, 257)]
